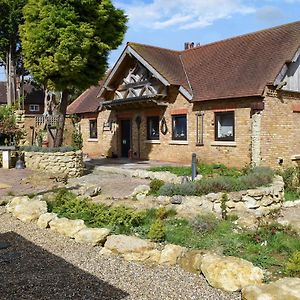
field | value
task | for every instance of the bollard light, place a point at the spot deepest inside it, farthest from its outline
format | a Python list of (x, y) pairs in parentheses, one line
[(194, 166)]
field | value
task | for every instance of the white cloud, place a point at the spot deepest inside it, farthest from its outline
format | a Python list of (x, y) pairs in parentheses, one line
[(182, 14)]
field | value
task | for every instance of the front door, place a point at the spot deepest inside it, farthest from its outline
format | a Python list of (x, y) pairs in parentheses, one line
[(125, 137)]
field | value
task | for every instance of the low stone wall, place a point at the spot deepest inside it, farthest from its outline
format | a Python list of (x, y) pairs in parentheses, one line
[(258, 202), (62, 163)]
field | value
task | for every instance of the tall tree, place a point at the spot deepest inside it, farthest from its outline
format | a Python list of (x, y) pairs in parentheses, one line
[(66, 44), (11, 16)]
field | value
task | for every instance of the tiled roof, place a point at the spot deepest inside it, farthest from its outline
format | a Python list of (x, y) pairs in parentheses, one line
[(166, 62), (241, 66), (87, 101), (237, 67), (33, 95)]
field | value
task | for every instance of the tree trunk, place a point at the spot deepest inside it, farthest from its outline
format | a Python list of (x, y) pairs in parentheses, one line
[(8, 78), (62, 111)]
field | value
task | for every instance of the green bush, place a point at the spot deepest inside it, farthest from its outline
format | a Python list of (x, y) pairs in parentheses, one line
[(293, 265), (157, 231), (291, 178), (256, 177), (48, 150), (119, 219), (77, 141), (155, 185)]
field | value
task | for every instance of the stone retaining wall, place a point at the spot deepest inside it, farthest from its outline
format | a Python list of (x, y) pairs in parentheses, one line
[(62, 163), (259, 202)]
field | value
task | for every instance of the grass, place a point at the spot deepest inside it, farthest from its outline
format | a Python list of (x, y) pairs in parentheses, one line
[(291, 195), (269, 247), (202, 168)]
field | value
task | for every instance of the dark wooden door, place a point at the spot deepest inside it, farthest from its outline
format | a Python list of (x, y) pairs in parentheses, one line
[(125, 137)]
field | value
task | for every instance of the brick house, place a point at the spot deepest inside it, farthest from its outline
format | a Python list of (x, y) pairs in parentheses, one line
[(33, 98), (235, 101)]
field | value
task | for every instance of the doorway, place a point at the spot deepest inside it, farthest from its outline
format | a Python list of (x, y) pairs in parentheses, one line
[(125, 137)]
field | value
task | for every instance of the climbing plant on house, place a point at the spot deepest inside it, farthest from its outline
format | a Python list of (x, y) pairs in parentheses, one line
[(66, 44)]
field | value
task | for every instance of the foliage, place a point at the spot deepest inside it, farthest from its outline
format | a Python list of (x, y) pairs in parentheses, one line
[(77, 141), (179, 171), (224, 199), (157, 231), (268, 247), (66, 44), (155, 185), (50, 150), (255, 177), (291, 178), (8, 128), (11, 16), (119, 219), (293, 265), (202, 168)]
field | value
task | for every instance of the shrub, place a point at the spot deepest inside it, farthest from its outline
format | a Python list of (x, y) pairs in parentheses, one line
[(48, 150), (157, 231), (77, 141), (155, 185), (119, 219), (256, 177), (293, 265)]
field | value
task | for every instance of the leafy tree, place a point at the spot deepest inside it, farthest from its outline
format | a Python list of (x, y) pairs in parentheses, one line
[(66, 44), (11, 16)]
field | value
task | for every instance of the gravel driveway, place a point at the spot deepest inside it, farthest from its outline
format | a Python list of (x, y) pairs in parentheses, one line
[(39, 264)]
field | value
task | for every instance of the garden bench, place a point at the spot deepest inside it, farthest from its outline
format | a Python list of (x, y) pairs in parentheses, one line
[(6, 156)]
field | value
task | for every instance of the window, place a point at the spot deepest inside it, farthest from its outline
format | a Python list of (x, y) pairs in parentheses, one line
[(34, 107), (179, 127), (200, 125), (93, 129), (153, 128), (224, 126)]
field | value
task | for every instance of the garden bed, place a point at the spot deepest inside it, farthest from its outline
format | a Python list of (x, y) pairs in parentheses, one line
[(271, 246)]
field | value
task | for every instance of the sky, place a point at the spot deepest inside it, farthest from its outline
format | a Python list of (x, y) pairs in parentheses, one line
[(171, 23)]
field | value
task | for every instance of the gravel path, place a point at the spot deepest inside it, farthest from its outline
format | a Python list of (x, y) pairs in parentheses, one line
[(39, 264)]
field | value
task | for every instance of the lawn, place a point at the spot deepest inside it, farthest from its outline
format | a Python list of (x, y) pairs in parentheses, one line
[(269, 247)]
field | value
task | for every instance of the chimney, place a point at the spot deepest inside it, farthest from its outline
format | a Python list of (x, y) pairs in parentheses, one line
[(191, 45)]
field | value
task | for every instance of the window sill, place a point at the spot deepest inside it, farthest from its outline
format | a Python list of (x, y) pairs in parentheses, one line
[(223, 143), (174, 142), (92, 140), (152, 141)]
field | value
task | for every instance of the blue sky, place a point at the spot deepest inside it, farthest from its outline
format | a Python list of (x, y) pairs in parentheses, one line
[(170, 23)]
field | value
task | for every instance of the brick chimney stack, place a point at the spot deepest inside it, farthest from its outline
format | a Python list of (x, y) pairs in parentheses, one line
[(190, 45)]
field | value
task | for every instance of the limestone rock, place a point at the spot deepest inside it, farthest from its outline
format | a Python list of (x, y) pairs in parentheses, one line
[(146, 256), (230, 273), (282, 289), (30, 211), (121, 244), (140, 192), (177, 199), (247, 221), (45, 219), (10, 207), (67, 227), (191, 260), (94, 236), (4, 186), (171, 254)]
